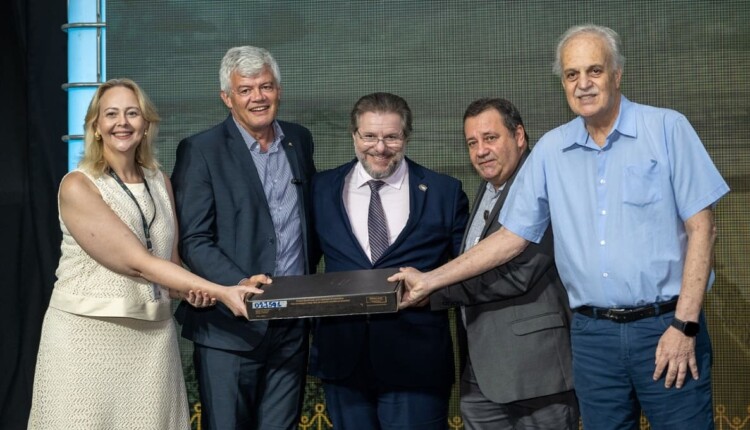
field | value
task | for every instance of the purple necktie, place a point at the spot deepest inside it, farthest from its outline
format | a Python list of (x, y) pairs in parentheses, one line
[(377, 227)]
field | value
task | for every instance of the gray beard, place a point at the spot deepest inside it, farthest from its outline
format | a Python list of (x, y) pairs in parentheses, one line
[(392, 166)]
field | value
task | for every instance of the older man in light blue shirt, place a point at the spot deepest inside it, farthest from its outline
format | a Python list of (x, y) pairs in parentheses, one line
[(619, 210), (629, 190)]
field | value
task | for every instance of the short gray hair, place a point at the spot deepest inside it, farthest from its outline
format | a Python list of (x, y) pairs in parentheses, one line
[(609, 36), (246, 61)]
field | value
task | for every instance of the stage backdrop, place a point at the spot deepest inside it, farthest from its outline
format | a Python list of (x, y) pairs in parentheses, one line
[(692, 56)]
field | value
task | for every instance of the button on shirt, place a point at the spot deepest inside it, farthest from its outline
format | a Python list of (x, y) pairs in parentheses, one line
[(617, 212), (394, 195), (479, 221), (282, 198)]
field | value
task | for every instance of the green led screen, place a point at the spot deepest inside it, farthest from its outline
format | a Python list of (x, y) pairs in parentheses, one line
[(691, 56)]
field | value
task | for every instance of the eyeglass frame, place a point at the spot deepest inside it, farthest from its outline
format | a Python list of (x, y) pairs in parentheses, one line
[(373, 140)]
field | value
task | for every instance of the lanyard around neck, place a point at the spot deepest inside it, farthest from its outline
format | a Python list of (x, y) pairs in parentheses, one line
[(146, 225)]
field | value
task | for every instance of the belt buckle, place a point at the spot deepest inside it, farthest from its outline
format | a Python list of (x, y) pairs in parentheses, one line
[(616, 314)]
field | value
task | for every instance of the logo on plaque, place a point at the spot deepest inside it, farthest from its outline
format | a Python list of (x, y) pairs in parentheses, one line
[(377, 300)]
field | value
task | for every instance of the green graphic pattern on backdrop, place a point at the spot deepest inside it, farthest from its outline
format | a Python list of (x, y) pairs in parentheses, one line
[(692, 56)]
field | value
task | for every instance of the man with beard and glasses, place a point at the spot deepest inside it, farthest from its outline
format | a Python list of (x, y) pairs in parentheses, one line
[(382, 210)]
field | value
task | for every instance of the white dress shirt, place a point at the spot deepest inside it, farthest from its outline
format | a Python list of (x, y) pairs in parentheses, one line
[(394, 196)]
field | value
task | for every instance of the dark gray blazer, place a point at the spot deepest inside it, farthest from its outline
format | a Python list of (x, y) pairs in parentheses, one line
[(517, 319), (226, 230)]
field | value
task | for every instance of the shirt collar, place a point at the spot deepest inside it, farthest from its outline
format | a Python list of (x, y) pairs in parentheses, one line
[(625, 124), (253, 144), (396, 180), (491, 188)]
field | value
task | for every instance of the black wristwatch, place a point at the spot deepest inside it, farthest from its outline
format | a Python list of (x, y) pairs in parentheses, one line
[(688, 328)]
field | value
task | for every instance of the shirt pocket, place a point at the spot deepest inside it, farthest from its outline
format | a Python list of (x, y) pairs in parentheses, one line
[(640, 185)]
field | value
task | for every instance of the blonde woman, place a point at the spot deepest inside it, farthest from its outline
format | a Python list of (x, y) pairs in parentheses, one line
[(108, 356)]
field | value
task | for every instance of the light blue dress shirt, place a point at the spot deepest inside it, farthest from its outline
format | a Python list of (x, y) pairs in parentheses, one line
[(617, 212), (479, 221), (281, 194)]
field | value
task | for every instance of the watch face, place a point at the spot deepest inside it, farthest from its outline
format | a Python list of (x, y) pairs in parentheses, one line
[(688, 328), (691, 328)]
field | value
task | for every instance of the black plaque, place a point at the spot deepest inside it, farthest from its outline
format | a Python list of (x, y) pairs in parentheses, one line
[(327, 294)]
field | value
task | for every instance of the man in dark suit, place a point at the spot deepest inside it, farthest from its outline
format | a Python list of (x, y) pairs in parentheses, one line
[(391, 371), (242, 197), (518, 372)]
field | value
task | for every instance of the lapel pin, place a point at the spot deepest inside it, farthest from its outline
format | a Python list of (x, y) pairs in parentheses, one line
[(422, 187), (289, 144)]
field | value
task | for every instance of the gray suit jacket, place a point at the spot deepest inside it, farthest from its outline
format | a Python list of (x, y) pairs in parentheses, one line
[(517, 319)]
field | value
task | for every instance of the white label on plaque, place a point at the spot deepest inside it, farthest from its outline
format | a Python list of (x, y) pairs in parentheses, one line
[(269, 304)]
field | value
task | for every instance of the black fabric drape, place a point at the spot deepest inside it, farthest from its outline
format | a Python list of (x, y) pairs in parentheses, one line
[(33, 118)]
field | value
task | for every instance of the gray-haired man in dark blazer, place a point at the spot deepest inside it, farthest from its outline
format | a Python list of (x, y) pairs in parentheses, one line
[(518, 372), (242, 194)]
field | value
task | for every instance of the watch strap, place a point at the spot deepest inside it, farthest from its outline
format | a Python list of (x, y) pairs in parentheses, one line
[(688, 328)]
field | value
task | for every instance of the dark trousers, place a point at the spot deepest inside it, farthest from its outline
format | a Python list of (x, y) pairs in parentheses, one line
[(363, 402), (613, 366), (554, 412), (260, 389)]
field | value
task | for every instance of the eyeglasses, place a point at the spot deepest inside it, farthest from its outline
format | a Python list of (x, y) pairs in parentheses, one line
[(389, 140)]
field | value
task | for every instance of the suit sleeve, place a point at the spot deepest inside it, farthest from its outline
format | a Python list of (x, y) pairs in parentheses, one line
[(460, 219), (196, 214)]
